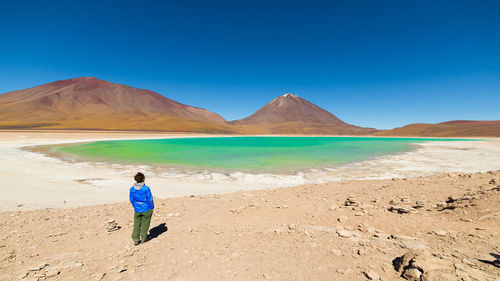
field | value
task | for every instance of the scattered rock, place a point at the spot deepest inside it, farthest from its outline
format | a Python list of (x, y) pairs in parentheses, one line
[(420, 265), (335, 252), (399, 210), (52, 273), (412, 274), (351, 201), (439, 232), (39, 267), (112, 225), (493, 181), (371, 275), (333, 208), (418, 205), (344, 233), (343, 219)]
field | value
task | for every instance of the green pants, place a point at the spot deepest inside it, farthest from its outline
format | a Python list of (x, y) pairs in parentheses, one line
[(141, 225)]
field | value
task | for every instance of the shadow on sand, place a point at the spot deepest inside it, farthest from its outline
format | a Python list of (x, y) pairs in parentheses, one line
[(493, 262), (157, 230)]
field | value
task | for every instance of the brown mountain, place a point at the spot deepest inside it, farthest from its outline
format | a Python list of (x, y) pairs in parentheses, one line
[(290, 114), (457, 128), (90, 103)]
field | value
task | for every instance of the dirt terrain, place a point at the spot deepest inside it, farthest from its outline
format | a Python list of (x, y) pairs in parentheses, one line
[(442, 227)]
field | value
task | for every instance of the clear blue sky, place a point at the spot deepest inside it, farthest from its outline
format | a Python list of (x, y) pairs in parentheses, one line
[(372, 63)]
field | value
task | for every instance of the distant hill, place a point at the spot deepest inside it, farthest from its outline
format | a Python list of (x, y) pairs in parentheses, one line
[(91, 103), (290, 114), (457, 128)]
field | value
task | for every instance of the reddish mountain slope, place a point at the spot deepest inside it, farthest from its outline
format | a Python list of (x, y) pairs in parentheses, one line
[(290, 114), (457, 128), (90, 103)]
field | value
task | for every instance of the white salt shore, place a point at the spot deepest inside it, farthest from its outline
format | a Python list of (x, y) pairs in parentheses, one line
[(32, 180)]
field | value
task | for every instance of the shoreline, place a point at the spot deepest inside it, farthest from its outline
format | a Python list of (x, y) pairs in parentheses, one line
[(89, 183)]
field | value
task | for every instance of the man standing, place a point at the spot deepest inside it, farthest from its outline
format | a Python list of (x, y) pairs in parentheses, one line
[(142, 200)]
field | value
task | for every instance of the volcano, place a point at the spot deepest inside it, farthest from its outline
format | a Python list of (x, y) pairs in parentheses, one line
[(290, 114)]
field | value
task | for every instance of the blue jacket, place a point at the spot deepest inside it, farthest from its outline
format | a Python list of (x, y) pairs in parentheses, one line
[(141, 198)]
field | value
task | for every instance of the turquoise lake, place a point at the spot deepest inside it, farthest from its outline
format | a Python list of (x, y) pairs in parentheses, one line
[(246, 154)]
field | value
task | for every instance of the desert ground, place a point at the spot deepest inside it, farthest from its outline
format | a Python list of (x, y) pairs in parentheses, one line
[(443, 226)]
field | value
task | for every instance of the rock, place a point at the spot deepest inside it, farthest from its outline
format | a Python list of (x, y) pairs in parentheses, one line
[(493, 181), (343, 219), (420, 265), (112, 225), (39, 275), (418, 205), (412, 274), (351, 201), (39, 267), (335, 252), (52, 273), (439, 232), (371, 275), (77, 264), (344, 233), (402, 237), (333, 208), (399, 210)]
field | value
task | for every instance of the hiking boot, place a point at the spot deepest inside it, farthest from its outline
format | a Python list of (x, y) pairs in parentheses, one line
[(137, 243)]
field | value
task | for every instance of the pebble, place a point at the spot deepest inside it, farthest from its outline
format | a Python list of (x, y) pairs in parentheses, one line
[(343, 219), (333, 208), (52, 273), (40, 267), (344, 233), (439, 232), (335, 252), (371, 275)]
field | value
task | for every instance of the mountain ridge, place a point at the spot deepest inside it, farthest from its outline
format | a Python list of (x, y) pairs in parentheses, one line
[(95, 104), (91, 103)]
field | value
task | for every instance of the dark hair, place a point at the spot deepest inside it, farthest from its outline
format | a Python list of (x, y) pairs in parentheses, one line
[(139, 177)]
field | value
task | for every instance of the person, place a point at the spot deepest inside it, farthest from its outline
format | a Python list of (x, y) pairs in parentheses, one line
[(142, 201)]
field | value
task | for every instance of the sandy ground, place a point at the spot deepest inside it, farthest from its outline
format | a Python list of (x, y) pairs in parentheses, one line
[(448, 226), (32, 180)]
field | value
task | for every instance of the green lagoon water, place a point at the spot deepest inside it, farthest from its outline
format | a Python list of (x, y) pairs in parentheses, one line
[(246, 154)]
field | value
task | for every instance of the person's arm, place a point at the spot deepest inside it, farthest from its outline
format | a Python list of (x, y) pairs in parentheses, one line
[(131, 198), (149, 197)]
